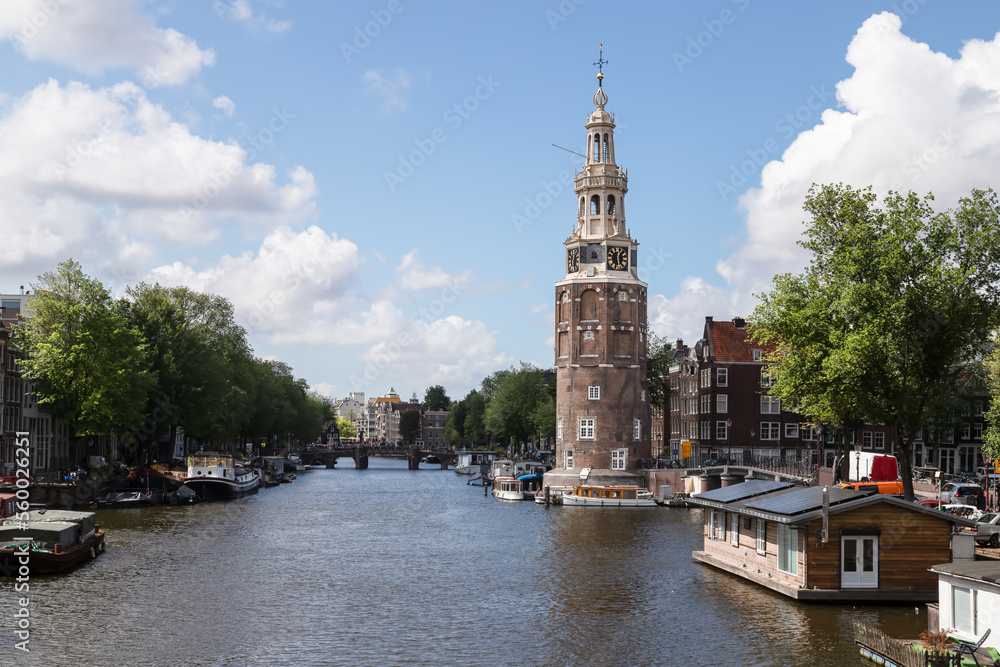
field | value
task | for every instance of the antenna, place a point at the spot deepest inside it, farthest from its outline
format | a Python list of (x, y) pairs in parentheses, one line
[(569, 151)]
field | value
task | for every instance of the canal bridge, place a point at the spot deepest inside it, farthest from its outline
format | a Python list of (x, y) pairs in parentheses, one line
[(360, 454)]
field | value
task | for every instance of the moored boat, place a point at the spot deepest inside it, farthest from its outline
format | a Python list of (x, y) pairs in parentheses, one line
[(125, 498), (471, 462), (507, 488), (609, 496), (49, 541), (214, 477)]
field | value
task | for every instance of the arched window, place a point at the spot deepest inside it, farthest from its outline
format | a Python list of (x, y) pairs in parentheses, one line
[(595, 205), (611, 204), (588, 305), (597, 148), (605, 147)]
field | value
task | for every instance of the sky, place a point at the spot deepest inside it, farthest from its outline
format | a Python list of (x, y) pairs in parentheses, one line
[(374, 184)]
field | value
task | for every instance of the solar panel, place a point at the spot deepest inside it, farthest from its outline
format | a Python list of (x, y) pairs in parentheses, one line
[(743, 490), (808, 499)]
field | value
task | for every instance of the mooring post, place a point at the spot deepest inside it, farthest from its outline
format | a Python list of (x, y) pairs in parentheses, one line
[(548, 498)]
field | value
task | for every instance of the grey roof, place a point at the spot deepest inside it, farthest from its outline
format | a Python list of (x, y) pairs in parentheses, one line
[(744, 490), (847, 499), (804, 500), (982, 570)]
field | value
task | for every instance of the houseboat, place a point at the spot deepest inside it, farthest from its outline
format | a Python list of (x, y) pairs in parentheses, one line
[(585, 495), (214, 477), (968, 600), (52, 541), (507, 488), (819, 543), (471, 462)]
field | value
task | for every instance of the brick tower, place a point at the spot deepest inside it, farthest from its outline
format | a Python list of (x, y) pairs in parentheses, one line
[(602, 408)]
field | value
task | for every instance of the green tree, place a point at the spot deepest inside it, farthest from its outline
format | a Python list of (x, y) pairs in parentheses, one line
[(659, 357), (511, 412), (896, 303), (409, 425), (346, 427), (435, 398), (474, 425), (453, 431), (87, 363)]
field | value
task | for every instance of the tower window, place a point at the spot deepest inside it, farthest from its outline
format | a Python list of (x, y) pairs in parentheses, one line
[(605, 148), (597, 148), (611, 204), (587, 426), (595, 205), (594, 393)]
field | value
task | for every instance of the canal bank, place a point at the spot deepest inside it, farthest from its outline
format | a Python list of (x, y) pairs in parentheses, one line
[(391, 566)]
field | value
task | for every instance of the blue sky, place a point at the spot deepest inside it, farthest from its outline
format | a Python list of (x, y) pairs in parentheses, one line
[(373, 184)]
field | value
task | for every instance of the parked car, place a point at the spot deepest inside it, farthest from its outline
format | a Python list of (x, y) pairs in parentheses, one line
[(989, 530), (960, 493), (933, 504)]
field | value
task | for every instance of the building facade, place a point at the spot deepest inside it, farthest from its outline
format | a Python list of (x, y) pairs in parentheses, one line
[(602, 412)]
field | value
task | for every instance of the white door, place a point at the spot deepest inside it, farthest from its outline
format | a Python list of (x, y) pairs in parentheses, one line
[(859, 561)]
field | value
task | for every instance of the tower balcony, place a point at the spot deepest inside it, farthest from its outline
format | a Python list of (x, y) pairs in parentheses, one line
[(601, 181)]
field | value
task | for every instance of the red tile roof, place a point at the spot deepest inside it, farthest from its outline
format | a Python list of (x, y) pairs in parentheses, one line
[(730, 343)]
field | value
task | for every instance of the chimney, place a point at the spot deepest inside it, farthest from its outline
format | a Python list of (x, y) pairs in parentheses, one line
[(679, 344), (22, 289), (708, 319), (739, 323)]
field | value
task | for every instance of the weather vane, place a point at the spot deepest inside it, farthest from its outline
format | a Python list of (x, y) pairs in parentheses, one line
[(601, 62)]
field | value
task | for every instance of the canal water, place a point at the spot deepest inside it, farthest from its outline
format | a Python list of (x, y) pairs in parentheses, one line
[(387, 566)]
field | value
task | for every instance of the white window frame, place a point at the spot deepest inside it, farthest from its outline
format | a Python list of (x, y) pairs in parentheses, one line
[(618, 459), (756, 355), (722, 403), (761, 537), (559, 432), (721, 377), (721, 431), (770, 430), (569, 459), (977, 431), (879, 442), (788, 550), (968, 606), (734, 529), (791, 430), (866, 440), (637, 429), (765, 379), (770, 405), (716, 525), (587, 428), (967, 431), (594, 393)]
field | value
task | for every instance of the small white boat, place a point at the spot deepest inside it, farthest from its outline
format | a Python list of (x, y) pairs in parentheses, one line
[(501, 468), (507, 488), (609, 496), (556, 494)]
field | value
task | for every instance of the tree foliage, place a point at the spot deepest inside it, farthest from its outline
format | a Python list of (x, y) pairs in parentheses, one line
[(659, 357), (87, 361), (514, 413), (896, 303), (435, 398), (409, 426)]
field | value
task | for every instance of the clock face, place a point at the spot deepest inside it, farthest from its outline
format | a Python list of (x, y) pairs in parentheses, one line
[(617, 258), (572, 260)]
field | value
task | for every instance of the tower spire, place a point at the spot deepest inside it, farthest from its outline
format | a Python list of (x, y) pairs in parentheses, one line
[(601, 62)]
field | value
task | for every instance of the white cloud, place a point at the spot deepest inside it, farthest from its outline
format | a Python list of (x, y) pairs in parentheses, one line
[(95, 36), (411, 274), (242, 11), (227, 105), (449, 351), (324, 389), (105, 174), (294, 279), (683, 316), (911, 119), (388, 88)]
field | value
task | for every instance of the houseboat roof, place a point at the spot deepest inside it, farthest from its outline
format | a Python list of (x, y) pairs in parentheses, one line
[(980, 570), (797, 505)]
